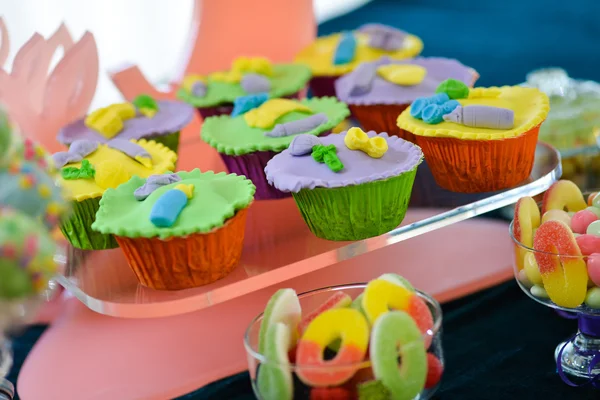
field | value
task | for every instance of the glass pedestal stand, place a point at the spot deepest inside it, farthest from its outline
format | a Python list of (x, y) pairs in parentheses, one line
[(579, 357)]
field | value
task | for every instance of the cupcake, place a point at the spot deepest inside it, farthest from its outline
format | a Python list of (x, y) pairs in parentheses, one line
[(477, 140), (144, 118), (246, 142), (216, 93), (180, 230), (332, 56), (377, 92), (349, 186), (89, 168)]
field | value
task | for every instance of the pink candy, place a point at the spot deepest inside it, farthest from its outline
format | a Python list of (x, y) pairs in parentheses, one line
[(588, 244), (581, 220), (593, 268)]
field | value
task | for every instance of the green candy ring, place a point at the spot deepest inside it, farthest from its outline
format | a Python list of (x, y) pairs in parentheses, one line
[(391, 329)]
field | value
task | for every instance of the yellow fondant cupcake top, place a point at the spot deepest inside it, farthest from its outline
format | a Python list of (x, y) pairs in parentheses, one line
[(89, 168), (483, 114), (340, 53)]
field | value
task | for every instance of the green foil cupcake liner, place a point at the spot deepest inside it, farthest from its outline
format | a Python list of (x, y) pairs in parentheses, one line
[(171, 140), (77, 227), (356, 212)]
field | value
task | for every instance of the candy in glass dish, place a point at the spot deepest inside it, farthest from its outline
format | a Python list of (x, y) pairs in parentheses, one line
[(573, 123), (345, 342), (557, 263)]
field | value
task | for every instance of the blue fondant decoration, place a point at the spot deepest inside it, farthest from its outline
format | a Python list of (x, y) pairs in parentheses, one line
[(346, 48), (432, 114), (449, 106), (167, 208), (243, 104), (418, 106)]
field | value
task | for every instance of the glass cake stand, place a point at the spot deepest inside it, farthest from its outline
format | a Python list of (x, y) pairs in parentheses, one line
[(278, 247)]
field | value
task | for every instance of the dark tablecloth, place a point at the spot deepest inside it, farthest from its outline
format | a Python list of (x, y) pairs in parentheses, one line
[(499, 344)]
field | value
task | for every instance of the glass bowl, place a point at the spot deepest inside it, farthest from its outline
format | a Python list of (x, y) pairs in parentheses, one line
[(310, 301), (577, 358)]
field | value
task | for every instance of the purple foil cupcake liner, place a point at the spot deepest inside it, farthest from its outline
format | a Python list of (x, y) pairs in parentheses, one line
[(252, 166), (323, 86), (226, 109)]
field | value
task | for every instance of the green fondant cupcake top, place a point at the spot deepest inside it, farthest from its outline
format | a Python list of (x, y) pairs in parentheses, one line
[(267, 128), (278, 80), (212, 199)]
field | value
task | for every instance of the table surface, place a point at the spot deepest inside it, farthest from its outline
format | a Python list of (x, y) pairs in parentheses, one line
[(498, 344)]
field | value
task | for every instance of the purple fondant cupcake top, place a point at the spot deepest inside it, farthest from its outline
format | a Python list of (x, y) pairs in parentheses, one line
[(290, 173), (171, 117), (364, 86)]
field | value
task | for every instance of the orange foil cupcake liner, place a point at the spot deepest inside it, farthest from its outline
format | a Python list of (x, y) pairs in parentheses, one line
[(477, 166), (381, 118), (186, 262)]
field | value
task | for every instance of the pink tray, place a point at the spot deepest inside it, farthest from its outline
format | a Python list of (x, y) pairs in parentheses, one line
[(88, 356)]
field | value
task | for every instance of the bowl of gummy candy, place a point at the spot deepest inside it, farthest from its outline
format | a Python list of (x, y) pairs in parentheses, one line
[(375, 340), (557, 263)]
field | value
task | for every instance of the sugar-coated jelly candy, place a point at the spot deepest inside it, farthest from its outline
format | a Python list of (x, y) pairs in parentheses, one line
[(563, 194), (396, 334), (561, 265), (284, 307), (346, 324)]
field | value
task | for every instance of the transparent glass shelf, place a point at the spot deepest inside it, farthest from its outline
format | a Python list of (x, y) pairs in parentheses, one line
[(278, 247)]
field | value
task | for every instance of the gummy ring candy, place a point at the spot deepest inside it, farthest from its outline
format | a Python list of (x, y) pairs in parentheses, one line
[(561, 264), (347, 324), (563, 194), (283, 306), (274, 378), (381, 295), (337, 300), (390, 330), (527, 218)]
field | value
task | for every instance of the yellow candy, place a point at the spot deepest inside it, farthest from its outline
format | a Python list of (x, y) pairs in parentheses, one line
[(53, 208), (347, 324), (380, 296), (105, 121), (110, 174), (259, 65), (44, 191), (357, 139), (123, 110), (264, 117), (532, 270), (404, 74), (189, 81), (25, 182), (187, 189)]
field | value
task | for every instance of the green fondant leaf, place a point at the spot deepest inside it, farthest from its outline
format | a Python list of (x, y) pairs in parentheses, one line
[(287, 79)]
